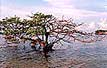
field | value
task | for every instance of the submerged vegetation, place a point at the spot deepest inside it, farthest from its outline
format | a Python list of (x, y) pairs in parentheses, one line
[(45, 30)]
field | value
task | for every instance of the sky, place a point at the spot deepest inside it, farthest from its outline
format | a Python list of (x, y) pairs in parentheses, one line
[(92, 12)]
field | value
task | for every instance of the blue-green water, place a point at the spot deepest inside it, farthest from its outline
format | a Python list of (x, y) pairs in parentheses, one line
[(75, 55)]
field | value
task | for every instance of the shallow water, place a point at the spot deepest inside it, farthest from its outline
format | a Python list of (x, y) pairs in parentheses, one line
[(75, 55)]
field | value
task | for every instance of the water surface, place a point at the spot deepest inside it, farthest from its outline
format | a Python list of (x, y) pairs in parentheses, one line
[(75, 55)]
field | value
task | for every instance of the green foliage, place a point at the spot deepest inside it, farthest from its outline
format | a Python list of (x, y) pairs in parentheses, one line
[(39, 19), (35, 31), (36, 25), (11, 25), (8, 32)]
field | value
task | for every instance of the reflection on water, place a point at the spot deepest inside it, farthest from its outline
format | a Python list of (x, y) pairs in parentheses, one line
[(75, 55)]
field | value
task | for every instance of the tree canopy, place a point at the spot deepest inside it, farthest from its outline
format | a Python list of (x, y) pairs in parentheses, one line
[(48, 28)]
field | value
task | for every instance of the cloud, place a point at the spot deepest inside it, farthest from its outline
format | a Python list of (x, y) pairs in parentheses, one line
[(60, 3), (67, 8), (59, 8), (11, 11), (88, 27), (93, 26), (23, 12), (103, 24), (95, 5), (105, 7), (63, 7), (55, 7)]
